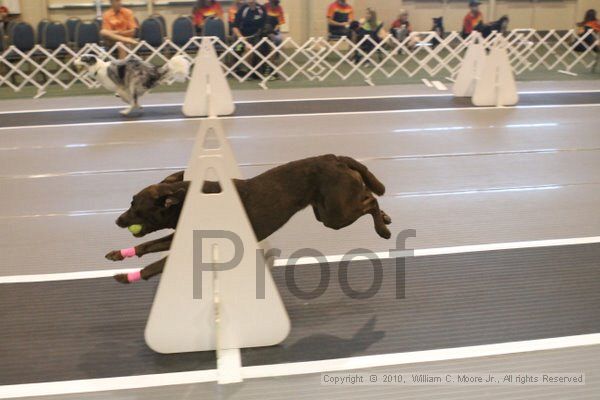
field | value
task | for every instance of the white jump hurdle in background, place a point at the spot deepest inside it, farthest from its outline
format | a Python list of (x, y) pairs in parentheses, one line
[(488, 79), (208, 86), (221, 307)]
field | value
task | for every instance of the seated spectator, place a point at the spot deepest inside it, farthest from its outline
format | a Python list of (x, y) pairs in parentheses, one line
[(233, 9), (590, 23), (401, 27), (203, 10), (339, 16), (373, 27), (472, 19), (119, 25), (249, 25), (250, 21), (369, 26), (275, 18), (3, 18), (402, 31)]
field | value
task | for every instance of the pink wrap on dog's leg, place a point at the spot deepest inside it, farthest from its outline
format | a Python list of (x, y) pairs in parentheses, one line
[(127, 253), (134, 276)]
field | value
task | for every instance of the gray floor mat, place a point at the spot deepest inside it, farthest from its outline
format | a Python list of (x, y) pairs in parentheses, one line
[(94, 328)]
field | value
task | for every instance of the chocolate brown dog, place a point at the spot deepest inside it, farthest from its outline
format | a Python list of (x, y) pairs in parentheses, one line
[(340, 190)]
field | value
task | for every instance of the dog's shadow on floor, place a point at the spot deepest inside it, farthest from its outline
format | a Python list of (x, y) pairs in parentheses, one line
[(325, 346), (311, 348), (318, 347), (113, 357)]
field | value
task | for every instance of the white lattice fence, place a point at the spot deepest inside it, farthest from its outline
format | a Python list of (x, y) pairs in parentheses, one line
[(317, 59)]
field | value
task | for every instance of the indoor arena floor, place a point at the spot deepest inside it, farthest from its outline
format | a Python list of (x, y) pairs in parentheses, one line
[(504, 202)]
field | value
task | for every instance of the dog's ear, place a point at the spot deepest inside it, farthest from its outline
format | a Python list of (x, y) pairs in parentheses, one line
[(174, 178), (172, 198), (171, 201)]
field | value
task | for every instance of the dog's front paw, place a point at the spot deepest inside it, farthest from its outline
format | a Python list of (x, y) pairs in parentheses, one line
[(122, 278), (115, 255)]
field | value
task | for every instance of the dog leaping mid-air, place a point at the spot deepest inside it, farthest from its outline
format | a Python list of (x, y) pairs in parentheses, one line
[(339, 189), (130, 79)]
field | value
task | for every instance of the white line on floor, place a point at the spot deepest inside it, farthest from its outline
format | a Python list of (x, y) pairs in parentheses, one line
[(561, 71), (65, 276), (393, 96), (48, 110), (153, 121), (388, 360), (299, 368), (105, 384), (382, 255), (439, 85), (390, 96)]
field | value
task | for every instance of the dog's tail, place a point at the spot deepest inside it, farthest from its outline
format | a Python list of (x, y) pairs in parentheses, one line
[(176, 69), (370, 180)]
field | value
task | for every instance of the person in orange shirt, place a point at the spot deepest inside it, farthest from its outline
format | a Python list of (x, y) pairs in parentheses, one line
[(119, 25), (472, 19), (232, 12), (206, 9), (340, 15), (3, 18), (275, 18), (590, 21)]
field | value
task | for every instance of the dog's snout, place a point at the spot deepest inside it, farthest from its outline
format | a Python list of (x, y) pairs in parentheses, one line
[(121, 222)]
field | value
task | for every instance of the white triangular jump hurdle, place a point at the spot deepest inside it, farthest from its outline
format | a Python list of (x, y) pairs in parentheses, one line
[(470, 68), (210, 141), (239, 307), (488, 79), (216, 292), (208, 83), (497, 86)]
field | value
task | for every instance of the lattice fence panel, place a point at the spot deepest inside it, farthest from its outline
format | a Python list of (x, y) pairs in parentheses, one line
[(317, 59)]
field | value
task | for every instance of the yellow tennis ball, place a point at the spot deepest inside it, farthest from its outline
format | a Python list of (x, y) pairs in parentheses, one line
[(135, 229)]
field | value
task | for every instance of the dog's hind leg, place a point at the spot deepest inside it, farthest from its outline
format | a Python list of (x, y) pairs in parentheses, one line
[(386, 218), (148, 272), (380, 218), (127, 98), (136, 98), (370, 180)]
